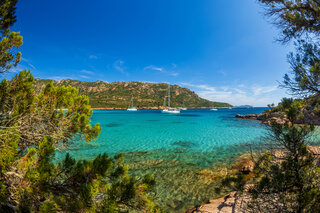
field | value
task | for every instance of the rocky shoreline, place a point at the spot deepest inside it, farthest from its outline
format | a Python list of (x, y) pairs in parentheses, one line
[(235, 202), (251, 116), (305, 117), (265, 118)]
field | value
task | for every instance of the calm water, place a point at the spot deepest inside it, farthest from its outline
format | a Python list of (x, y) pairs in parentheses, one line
[(197, 129), (183, 152)]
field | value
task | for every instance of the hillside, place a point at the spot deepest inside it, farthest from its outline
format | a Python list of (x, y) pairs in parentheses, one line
[(118, 94)]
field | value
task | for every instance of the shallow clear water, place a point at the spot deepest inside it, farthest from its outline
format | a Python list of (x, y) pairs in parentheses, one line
[(175, 148), (196, 129)]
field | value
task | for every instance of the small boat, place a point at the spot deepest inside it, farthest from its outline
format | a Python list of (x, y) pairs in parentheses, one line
[(183, 108), (214, 109), (169, 109), (132, 108)]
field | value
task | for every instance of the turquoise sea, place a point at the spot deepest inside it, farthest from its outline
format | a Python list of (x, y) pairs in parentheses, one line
[(198, 129), (183, 152)]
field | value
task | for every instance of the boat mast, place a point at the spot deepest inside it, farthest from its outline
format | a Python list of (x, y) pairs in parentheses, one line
[(131, 101), (168, 95)]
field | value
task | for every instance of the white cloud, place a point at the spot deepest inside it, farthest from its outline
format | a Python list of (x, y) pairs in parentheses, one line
[(119, 66), (255, 95), (25, 60), (93, 57), (87, 72), (84, 76), (174, 74), (222, 72), (152, 67), (57, 78), (262, 90), (163, 70), (28, 63), (239, 91)]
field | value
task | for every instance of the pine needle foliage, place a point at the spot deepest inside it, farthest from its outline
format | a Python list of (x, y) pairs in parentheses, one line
[(34, 126)]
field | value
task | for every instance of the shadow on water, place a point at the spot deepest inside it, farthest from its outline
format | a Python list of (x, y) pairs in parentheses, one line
[(229, 118), (112, 125), (177, 122), (182, 115), (152, 120), (190, 115), (247, 124), (186, 144)]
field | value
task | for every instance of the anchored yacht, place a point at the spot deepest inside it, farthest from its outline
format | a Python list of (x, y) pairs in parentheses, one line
[(169, 109)]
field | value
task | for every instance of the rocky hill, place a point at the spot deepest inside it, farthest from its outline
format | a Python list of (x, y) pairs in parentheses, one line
[(146, 95)]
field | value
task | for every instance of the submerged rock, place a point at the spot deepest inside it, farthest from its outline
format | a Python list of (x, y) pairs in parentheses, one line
[(211, 175), (183, 143), (244, 164), (113, 125)]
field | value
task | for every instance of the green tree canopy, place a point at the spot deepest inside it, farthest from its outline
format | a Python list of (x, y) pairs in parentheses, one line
[(9, 41), (34, 126), (299, 20), (7, 14), (305, 65), (294, 17), (57, 112)]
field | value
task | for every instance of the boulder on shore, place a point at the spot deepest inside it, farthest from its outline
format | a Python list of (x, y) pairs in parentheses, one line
[(244, 164), (265, 118), (260, 116), (249, 116)]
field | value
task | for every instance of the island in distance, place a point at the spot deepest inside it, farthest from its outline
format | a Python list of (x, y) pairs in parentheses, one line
[(244, 106)]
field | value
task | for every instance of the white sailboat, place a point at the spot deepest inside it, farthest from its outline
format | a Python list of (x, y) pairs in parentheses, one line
[(183, 108), (214, 109), (132, 108), (169, 109)]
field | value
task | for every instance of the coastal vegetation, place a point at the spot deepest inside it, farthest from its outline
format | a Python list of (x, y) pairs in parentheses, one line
[(286, 173), (39, 118), (146, 95), (307, 110), (34, 126), (303, 81)]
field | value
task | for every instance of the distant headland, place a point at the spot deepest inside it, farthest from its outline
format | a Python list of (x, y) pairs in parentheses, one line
[(117, 95)]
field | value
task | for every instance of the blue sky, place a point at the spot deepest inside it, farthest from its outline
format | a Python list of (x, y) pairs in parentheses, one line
[(223, 50)]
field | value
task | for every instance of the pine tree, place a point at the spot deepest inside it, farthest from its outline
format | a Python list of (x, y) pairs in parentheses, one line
[(286, 177), (9, 41), (299, 21), (33, 126)]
